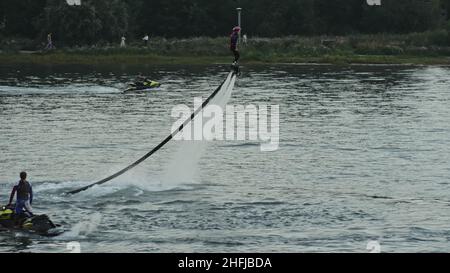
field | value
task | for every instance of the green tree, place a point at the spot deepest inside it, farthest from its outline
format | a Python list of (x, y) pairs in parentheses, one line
[(70, 25), (107, 20), (134, 8), (113, 15), (445, 4), (18, 17), (93, 21), (2, 16), (402, 16), (338, 16)]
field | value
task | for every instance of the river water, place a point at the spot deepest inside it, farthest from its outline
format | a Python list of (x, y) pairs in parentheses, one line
[(364, 156)]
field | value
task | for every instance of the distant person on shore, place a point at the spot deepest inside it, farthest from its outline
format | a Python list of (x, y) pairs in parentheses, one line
[(234, 44), (145, 39), (24, 193), (244, 39), (123, 42), (50, 45)]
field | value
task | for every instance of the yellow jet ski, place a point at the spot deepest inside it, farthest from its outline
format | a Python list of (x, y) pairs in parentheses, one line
[(146, 85), (37, 224)]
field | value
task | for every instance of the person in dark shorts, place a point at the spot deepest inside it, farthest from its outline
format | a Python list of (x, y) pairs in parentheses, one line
[(24, 193), (234, 40)]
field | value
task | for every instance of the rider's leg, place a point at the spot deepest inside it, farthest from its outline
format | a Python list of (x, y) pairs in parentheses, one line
[(28, 207)]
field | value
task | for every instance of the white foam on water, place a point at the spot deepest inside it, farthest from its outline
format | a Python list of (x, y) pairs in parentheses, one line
[(184, 166), (59, 90), (84, 228), (100, 191), (182, 169), (141, 178)]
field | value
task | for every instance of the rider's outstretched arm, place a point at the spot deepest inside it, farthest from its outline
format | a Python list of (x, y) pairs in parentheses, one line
[(13, 192), (31, 195)]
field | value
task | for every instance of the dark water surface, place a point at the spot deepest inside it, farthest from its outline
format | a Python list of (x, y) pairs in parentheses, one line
[(364, 155)]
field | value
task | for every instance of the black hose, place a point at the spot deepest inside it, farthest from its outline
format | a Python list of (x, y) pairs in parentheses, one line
[(157, 148)]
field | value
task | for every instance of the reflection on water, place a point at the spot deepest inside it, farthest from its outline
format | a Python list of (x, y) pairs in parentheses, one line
[(363, 156)]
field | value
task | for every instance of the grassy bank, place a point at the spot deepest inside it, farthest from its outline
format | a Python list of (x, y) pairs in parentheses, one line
[(64, 58), (416, 48)]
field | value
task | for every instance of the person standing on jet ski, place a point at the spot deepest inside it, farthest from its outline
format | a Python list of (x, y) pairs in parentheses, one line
[(234, 44), (141, 81), (24, 193)]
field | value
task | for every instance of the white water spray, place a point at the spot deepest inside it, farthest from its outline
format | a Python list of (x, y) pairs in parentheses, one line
[(181, 170), (183, 167), (85, 228)]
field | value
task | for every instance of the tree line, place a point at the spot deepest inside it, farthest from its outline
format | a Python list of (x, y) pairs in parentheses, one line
[(108, 20)]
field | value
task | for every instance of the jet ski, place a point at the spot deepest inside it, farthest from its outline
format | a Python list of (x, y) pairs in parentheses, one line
[(36, 224), (142, 86)]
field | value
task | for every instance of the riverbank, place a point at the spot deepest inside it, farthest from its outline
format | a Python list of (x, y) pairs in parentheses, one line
[(417, 48), (67, 59)]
